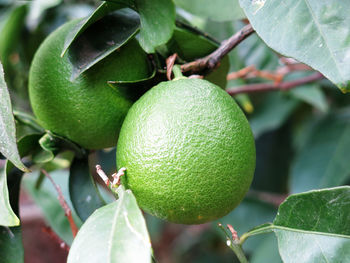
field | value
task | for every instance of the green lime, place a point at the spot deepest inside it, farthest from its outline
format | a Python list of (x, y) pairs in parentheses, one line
[(87, 110), (188, 151)]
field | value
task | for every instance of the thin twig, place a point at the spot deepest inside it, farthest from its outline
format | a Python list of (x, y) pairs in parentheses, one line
[(67, 210), (260, 87), (170, 64), (211, 61), (54, 236)]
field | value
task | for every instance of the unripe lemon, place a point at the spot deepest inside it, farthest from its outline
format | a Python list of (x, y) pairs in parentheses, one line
[(87, 110), (188, 151)]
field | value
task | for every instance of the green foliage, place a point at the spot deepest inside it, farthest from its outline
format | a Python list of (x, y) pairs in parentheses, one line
[(301, 133)]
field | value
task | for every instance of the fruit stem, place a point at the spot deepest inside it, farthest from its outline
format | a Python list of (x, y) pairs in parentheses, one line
[(177, 73)]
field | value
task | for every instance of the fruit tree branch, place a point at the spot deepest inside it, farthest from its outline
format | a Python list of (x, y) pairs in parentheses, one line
[(67, 210), (260, 87), (209, 62)]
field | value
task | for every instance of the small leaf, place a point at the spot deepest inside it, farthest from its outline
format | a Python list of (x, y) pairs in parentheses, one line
[(133, 89), (219, 10), (316, 225), (157, 22), (323, 158), (82, 189), (102, 38), (114, 233), (8, 146), (7, 216), (313, 32)]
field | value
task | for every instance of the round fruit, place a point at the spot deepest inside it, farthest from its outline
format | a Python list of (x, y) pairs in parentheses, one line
[(87, 110), (188, 151)]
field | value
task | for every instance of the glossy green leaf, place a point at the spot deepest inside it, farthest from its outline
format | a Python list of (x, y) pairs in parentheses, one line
[(272, 113), (313, 32), (82, 189), (114, 233), (102, 38), (311, 94), (11, 247), (157, 22), (323, 158), (316, 224), (99, 13), (46, 198), (219, 10), (7, 215), (8, 146)]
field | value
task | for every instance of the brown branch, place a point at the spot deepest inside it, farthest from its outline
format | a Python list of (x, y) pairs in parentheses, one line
[(260, 87), (67, 210), (169, 65), (211, 61), (54, 236)]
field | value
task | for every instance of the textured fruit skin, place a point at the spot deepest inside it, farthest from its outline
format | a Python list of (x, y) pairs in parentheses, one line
[(87, 111), (188, 151)]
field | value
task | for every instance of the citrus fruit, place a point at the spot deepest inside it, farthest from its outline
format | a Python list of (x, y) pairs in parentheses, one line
[(87, 110), (188, 151)]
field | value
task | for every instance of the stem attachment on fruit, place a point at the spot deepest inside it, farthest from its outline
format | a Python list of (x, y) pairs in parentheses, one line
[(177, 73), (116, 177)]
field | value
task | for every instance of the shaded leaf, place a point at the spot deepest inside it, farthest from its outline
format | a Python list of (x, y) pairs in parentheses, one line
[(82, 189), (311, 94), (8, 146), (46, 198), (313, 32), (323, 159), (219, 10), (11, 28), (11, 247), (157, 22), (133, 89), (114, 233), (102, 38), (100, 12), (272, 113)]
